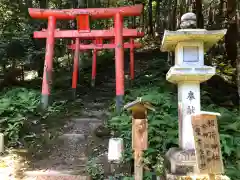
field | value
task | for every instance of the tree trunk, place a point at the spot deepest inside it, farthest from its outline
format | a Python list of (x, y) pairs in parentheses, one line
[(81, 4), (238, 74), (157, 16), (29, 3), (142, 21), (43, 4), (133, 18), (174, 16), (180, 11), (237, 6), (232, 38), (200, 19), (170, 15), (150, 23)]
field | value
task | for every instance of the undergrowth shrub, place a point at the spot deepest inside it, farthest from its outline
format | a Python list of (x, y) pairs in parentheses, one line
[(19, 109), (163, 124)]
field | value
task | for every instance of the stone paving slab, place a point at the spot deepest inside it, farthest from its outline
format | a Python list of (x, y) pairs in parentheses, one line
[(58, 178)]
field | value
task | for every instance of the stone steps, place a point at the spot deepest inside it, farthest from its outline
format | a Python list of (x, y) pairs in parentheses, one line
[(70, 152), (47, 177), (85, 119), (54, 175), (73, 136), (68, 157), (94, 113)]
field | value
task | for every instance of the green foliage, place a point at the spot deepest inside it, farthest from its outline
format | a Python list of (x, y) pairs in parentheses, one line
[(163, 124), (18, 108), (95, 170)]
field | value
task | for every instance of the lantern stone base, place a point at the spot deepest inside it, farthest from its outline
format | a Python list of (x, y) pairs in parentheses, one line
[(194, 177), (200, 74), (180, 161)]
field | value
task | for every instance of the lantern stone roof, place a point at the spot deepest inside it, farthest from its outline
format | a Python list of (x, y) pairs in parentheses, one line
[(209, 38), (139, 104)]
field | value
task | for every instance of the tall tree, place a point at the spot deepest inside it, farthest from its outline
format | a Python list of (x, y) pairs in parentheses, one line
[(200, 19), (150, 18), (232, 38), (157, 15)]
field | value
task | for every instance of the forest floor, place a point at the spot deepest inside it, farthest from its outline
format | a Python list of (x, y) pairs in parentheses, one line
[(66, 156)]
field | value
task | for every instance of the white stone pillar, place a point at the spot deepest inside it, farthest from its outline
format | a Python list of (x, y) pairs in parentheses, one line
[(189, 97)]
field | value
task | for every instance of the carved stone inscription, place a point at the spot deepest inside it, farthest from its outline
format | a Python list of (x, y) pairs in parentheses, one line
[(181, 161), (184, 155), (184, 169), (194, 177), (207, 143), (190, 108)]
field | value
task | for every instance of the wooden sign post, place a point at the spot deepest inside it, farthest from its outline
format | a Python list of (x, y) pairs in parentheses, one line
[(139, 133), (207, 144)]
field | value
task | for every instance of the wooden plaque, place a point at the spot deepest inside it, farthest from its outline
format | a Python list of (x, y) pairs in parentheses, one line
[(139, 134), (207, 144)]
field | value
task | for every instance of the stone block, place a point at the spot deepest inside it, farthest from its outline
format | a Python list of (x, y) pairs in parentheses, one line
[(194, 177), (181, 162)]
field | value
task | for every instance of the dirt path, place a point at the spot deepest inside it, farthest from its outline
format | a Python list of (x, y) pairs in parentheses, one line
[(68, 156)]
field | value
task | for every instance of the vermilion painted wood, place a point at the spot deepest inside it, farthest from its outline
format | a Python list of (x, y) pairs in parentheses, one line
[(106, 34), (103, 46), (132, 45), (48, 63), (119, 60), (47, 75), (94, 64), (75, 66), (98, 41), (83, 23), (95, 13)]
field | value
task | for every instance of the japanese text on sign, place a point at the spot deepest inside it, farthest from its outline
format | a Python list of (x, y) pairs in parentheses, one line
[(207, 144)]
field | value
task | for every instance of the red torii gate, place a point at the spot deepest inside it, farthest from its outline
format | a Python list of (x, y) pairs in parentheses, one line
[(108, 34), (84, 32), (98, 45)]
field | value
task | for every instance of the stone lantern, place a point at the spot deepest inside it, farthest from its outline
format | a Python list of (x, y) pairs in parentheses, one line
[(189, 71)]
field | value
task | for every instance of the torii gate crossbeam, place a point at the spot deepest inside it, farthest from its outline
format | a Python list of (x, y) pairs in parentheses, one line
[(95, 13), (98, 46), (106, 34)]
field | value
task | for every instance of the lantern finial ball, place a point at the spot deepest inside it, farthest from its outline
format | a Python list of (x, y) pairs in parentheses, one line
[(188, 21)]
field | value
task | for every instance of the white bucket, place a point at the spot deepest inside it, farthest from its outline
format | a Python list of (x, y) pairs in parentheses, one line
[(1, 142), (115, 149)]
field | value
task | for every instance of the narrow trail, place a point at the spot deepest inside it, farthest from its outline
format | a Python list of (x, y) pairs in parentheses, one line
[(68, 156)]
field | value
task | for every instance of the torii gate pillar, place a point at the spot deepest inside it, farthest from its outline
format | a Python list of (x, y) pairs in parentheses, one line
[(119, 61), (47, 75)]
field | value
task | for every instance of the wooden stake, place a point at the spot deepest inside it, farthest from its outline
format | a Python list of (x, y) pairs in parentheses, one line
[(139, 133), (138, 166)]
